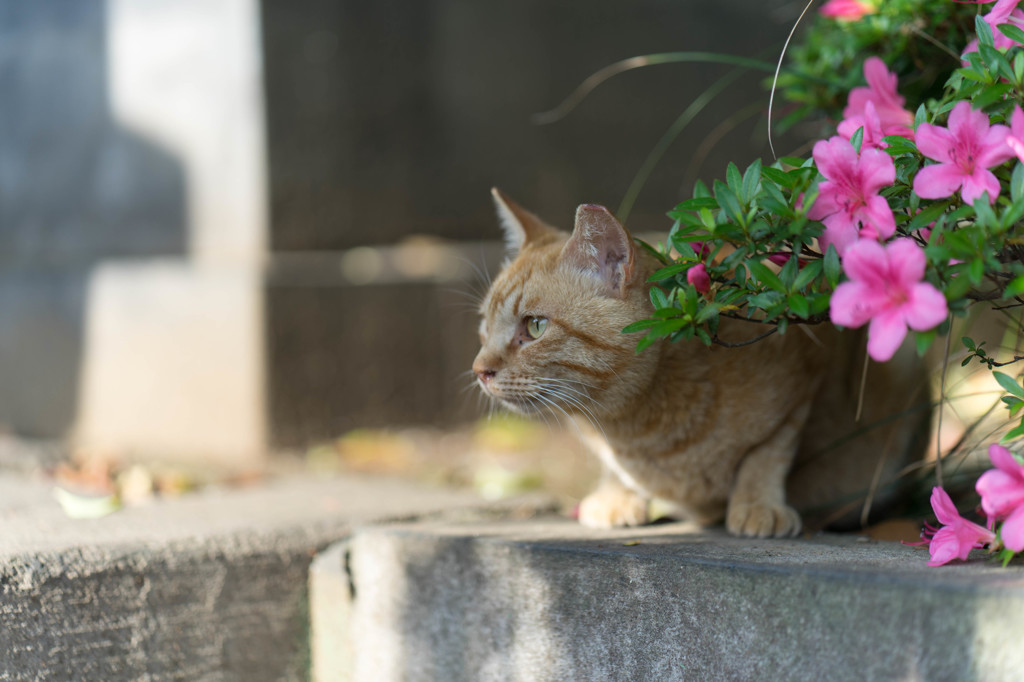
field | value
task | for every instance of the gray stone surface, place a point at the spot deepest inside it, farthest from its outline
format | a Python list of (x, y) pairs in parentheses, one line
[(210, 586), (548, 600)]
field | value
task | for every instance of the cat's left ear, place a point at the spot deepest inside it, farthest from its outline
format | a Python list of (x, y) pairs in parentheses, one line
[(602, 247)]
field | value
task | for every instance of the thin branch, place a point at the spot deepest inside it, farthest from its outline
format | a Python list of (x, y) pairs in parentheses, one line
[(942, 400), (775, 79), (729, 344)]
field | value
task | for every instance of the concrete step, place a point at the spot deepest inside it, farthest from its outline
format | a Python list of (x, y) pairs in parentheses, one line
[(210, 586), (545, 599)]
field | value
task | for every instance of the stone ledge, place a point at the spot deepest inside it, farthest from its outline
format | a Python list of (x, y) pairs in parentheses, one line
[(549, 600), (210, 586)]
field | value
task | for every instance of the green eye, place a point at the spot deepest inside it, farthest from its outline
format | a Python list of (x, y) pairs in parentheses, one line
[(535, 326)]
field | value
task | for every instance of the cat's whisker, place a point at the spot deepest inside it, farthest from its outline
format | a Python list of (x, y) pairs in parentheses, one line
[(586, 412), (552, 404)]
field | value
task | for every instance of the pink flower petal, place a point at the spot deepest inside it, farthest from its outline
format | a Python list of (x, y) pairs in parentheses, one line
[(877, 170), (698, 277), (906, 262), (826, 204), (853, 304), (926, 308), (1016, 144), (878, 214), (834, 157), (1004, 460), (976, 184), (885, 334), (1012, 532), (965, 122), (840, 231), (938, 182), (1017, 123), (867, 261), (934, 142), (945, 547), (994, 150), (942, 505)]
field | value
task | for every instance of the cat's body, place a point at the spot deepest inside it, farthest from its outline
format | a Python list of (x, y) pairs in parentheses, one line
[(720, 432)]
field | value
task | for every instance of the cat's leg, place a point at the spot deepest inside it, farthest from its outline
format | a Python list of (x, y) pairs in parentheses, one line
[(757, 504), (613, 505)]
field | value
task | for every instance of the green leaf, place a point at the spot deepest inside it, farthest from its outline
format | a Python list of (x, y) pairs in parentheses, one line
[(779, 177), (1014, 288), (645, 342), (729, 202), (666, 327), (706, 313), (986, 216), (819, 303), (833, 268), (765, 276), (651, 250), (857, 139), (992, 93), (788, 272), (899, 145), (1017, 183), (1013, 434), (697, 203), (658, 298), (924, 340), (1009, 384), (733, 179), (927, 216), (921, 116), (798, 304), (808, 274), (1012, 32), (976, 271), (665, 313), (670, 271), (751, 180), (984, 31), (639, 326)]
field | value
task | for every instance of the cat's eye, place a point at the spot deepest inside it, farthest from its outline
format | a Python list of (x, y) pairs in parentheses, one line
[(535, 326)]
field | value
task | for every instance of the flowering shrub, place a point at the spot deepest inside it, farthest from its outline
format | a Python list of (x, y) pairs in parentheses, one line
[(901, 219)]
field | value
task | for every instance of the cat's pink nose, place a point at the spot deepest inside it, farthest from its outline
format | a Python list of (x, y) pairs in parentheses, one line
[(484, 375)]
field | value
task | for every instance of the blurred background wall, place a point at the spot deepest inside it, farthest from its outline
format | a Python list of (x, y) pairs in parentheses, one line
[(231, 226)]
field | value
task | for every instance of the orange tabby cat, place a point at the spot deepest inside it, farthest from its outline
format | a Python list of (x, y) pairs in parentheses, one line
[(749, 434)]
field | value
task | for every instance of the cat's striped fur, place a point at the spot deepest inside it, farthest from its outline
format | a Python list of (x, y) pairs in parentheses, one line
[(746, 434)]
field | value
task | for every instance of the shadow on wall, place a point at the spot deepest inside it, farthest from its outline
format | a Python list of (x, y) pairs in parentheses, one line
[(75, 189), (481, 606)]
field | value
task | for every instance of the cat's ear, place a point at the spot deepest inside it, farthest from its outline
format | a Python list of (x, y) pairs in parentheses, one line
[(520, 225), (602, 247)]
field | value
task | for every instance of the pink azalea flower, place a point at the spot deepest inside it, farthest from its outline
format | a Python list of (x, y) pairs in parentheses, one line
[(1003, 12), (698, 277), (845, 10), (848, 202), (958, 536), (871, 124), (885, 288), (965, 151), (702, 249), (1002, 495), (1015, 140), (881, 91)]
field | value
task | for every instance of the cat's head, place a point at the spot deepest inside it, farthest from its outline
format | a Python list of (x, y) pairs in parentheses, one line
[(551, 329)]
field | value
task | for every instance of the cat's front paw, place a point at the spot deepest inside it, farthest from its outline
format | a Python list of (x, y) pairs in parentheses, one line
[(760, 520), (613, 507)]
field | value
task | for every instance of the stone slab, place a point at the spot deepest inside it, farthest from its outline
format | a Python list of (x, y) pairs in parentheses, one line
[(211, 586), (549, 600)]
